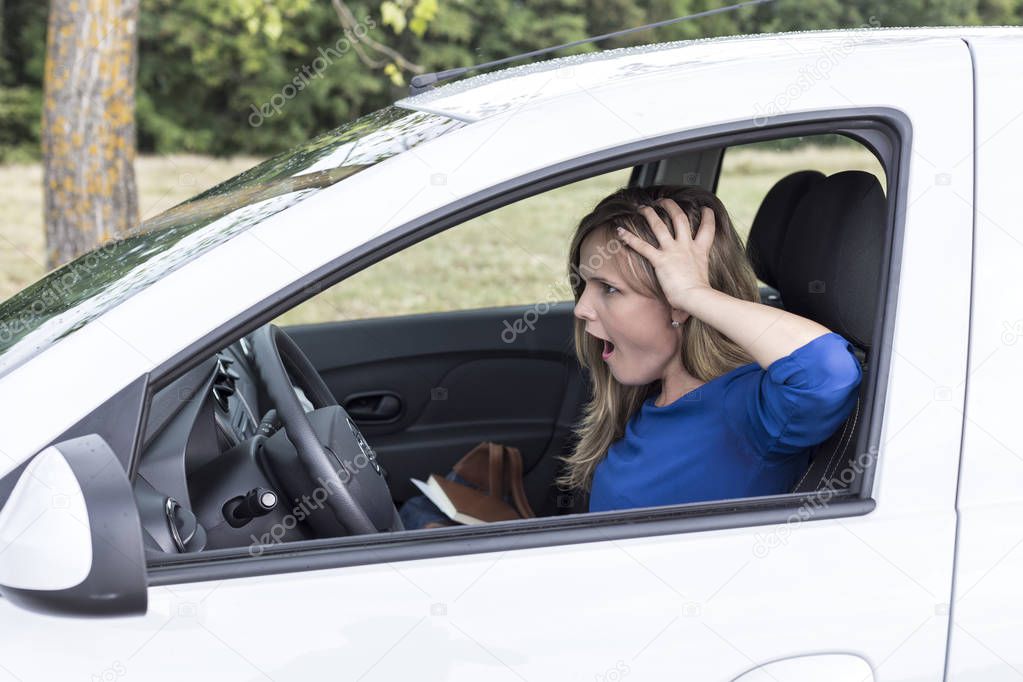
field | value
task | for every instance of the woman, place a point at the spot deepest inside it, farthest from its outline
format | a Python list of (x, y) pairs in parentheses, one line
[(700, 392)]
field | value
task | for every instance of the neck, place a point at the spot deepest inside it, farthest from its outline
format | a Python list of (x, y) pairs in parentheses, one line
[(675, 383)]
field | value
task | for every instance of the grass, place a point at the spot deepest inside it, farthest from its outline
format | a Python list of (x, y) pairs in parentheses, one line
[(517, 254), (512, 256)]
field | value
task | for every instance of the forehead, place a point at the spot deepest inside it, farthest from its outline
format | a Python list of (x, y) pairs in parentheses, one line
[(598, 254)]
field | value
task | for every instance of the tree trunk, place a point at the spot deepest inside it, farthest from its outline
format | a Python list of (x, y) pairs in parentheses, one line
[(88, 127)]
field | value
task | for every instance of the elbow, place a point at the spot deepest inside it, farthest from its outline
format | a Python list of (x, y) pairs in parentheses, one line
[(841, 370), (820, 411), (839, 378)]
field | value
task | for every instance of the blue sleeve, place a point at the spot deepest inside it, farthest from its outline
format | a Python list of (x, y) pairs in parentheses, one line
[(799, 400)]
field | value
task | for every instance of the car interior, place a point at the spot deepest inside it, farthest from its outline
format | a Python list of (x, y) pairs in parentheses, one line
[(410, 394)]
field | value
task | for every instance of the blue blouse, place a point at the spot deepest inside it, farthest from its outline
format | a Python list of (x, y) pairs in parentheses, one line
[(744, 433)]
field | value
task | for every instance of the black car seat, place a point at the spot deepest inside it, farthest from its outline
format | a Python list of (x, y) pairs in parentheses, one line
[(767, 233), (830, 271)]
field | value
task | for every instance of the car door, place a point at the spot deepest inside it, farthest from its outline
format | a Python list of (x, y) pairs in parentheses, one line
[(700, 592), (986, 625)]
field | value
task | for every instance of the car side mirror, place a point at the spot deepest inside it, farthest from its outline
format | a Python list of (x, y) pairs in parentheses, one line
[(70, 535)]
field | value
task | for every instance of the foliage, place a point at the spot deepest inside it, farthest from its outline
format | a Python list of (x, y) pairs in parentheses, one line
[(250, 76), (19, 122)]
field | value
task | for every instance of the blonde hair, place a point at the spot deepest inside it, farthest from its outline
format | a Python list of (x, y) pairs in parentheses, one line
[(705, 352)]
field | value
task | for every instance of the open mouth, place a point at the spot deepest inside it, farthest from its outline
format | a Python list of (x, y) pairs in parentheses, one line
[(609, 349)]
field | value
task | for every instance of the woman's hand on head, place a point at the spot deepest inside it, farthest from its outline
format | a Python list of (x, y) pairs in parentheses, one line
[(681, 262)]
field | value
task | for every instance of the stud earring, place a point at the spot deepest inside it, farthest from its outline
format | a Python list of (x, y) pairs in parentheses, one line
[(675, 323)]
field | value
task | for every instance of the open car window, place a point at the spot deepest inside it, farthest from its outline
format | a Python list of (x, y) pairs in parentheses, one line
[(513, 255)]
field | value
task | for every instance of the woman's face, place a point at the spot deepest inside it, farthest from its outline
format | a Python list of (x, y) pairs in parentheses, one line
[(645, 345)]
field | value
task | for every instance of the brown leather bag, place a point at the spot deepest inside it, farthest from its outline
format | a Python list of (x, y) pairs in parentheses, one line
[(496, 470)]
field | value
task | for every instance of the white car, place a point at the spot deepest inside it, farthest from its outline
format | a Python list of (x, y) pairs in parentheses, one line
[(144, 478)]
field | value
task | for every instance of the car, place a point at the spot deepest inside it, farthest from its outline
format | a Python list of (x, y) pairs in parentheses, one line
[(158, 522)]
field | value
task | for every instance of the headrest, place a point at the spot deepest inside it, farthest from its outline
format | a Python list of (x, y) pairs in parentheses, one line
[(767, 233), (830, 269)]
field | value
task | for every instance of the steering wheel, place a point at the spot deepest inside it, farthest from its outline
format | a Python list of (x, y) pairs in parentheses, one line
[(329, 445)]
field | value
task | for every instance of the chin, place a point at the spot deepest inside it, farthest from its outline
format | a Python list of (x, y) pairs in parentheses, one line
[(632, 379)]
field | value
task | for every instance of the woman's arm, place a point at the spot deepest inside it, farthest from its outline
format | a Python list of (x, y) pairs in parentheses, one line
[(765, 332), (681, 264), (798, 400)]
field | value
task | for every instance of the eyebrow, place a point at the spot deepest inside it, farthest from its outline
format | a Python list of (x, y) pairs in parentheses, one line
[(599, 279)]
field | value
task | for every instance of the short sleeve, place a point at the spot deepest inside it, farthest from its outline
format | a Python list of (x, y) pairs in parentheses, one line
[(799, 400)]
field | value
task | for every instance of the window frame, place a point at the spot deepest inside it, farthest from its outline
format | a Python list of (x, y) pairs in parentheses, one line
[(724, 156), (889, 137)]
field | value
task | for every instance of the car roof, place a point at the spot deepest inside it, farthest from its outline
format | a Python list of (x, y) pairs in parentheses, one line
[(498, 92)]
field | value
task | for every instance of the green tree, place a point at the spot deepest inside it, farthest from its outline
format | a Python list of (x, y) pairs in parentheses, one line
[(204, 66), (22, 53)]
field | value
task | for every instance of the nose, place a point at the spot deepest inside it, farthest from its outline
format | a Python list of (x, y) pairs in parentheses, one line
[(582, 309)]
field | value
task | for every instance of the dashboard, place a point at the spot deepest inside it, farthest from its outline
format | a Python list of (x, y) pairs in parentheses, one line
[(203, 456)]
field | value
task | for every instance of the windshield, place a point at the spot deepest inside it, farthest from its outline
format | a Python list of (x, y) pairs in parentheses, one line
[(67, 298)]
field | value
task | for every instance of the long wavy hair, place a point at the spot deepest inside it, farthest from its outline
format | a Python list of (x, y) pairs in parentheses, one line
[(704, 352)]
